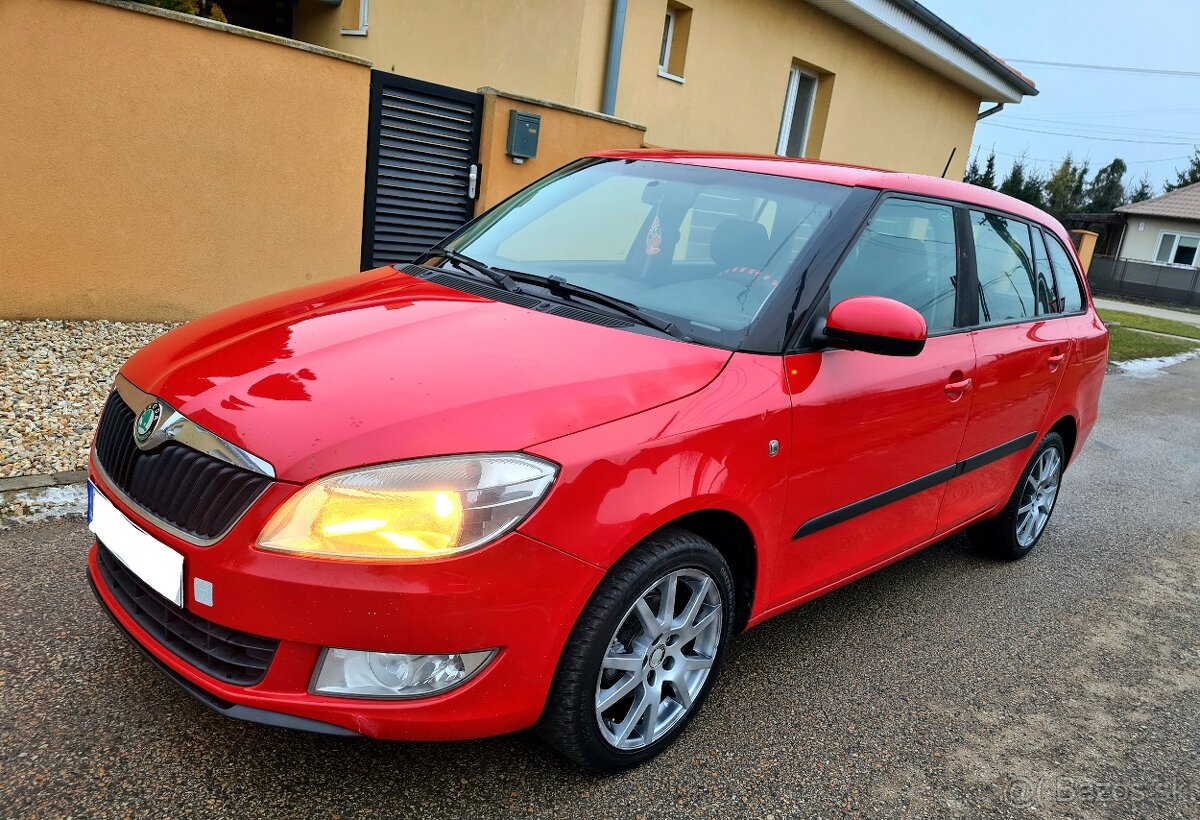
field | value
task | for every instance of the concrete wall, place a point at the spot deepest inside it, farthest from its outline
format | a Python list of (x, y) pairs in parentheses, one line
[(152, 168), (1143, 245), (565, 135)]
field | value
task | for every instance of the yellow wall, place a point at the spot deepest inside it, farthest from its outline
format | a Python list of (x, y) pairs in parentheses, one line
[(1085, 246), (564, 136), (875, 106), (529, 47), (158, 169), (885, 110)]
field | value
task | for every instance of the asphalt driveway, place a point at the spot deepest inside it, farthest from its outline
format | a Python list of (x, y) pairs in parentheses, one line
[(1066, 684)]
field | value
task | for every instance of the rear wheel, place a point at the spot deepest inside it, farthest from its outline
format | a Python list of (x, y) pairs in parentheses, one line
[(644, 654), (1020, 525)]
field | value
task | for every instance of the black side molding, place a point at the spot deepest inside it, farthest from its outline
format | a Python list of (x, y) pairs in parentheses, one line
[(874, 502), (995, 454), (220, 705), (913, 487)]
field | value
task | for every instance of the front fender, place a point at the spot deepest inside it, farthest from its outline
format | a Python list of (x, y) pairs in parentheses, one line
[(623, 480)]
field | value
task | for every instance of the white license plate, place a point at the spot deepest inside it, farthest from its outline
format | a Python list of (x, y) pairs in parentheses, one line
[(159, 566)]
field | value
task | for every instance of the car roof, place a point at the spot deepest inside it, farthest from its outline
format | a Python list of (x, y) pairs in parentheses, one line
[(852, 175)]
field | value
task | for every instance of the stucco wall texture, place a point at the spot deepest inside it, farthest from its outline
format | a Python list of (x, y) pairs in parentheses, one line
[(153, 169), (874, 106)]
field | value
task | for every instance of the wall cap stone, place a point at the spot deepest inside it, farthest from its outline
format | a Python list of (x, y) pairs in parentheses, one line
[(487, 90), (203, 22)]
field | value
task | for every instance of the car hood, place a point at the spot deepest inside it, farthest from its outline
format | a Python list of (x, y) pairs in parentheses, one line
[(383, 366)]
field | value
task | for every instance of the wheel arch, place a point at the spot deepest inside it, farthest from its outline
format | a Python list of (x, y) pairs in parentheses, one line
[(734, 539), (1068, 428)]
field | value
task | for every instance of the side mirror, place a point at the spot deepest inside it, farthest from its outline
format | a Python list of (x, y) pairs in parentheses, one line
[(874, 324)]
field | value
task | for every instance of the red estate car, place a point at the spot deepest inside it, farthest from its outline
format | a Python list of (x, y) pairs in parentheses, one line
[(542, 476)]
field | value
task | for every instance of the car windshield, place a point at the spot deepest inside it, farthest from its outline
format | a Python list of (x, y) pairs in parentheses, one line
[(704, 248)]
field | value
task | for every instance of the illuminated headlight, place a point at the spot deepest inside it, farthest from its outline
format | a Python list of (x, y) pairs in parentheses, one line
[(353, 673), (410, 510)]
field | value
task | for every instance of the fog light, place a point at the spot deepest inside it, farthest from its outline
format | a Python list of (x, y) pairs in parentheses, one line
[(353, 673)]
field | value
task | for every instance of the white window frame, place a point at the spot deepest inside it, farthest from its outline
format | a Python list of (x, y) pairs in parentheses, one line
[(363, 16), (789, 110), (1195, 263), (668, 45)]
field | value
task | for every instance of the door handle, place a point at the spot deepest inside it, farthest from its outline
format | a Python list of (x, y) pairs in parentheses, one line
[(1055, 360), (472, 181), (956, 389)]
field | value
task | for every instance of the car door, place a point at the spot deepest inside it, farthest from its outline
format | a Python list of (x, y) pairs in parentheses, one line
[(875, 437), (1022, 349)]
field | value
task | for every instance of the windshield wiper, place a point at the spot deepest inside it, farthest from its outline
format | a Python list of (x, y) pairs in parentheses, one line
[(464, 262), (561, 287)]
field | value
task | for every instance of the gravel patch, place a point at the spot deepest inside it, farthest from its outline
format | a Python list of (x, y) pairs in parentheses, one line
[(54, 377)]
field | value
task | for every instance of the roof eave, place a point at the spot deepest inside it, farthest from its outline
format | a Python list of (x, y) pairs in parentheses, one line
[(913, 30)]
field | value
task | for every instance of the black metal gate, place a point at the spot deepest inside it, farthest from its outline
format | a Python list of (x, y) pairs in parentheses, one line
[(422, 166)]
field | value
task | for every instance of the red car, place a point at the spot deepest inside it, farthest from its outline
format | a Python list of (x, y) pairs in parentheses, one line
[(542, 476)]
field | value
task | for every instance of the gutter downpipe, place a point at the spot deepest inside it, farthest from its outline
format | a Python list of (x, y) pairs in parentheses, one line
[(612, 72), (995, 109)]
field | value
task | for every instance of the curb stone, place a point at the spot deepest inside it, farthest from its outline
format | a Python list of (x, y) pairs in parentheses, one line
[(37, 482)]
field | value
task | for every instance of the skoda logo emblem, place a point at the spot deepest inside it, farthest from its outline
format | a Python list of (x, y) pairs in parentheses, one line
[(146, 423)]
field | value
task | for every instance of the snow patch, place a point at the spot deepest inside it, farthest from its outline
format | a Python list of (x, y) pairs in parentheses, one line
[(44, 504), (1152, 368)]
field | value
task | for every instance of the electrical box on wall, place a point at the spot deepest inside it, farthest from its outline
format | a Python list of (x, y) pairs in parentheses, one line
[(523, 131)]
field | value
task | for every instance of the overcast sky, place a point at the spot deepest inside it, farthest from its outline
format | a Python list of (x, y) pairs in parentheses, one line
[(1150, 121)]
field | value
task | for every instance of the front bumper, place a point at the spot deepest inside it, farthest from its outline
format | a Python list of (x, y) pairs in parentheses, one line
[(518, 594)]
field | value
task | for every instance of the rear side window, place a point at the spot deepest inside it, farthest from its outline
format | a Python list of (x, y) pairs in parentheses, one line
[(1070, 292), (1004, 263), (1047, 299), (907, 253)]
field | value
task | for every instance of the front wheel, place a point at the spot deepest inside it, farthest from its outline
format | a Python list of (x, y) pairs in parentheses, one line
[(644, 654), (1013, 533)]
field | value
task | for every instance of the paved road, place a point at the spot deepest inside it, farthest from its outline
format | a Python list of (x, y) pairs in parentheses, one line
[(1067, 684), (1150, 310)]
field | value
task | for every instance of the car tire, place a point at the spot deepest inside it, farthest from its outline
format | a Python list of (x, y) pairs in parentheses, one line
[(1020, 525), (599, 714)]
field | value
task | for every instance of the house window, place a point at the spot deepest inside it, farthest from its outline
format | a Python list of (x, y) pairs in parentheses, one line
[(676, 26), (354, 17), (1177, 248), (797, 113)]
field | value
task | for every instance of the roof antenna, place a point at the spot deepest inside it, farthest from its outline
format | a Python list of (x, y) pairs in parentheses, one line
[(949, 160)]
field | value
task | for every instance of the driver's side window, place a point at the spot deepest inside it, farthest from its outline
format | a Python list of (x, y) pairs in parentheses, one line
[(908, 253)]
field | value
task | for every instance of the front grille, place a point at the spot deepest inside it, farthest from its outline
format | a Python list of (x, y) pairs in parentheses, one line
[(234, 657), (194, 492)]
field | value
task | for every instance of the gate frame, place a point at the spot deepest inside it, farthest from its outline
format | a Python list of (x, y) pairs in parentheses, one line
[(380, 80)]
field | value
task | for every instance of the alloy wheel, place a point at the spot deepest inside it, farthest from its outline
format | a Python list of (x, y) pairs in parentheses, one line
[(1037, 499), (658, 659)]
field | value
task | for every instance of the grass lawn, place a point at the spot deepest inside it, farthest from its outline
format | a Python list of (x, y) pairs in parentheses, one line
[(1126, 344), (1137, 320)]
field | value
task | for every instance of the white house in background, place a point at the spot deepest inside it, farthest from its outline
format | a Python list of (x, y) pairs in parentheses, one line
[(1165, 230)]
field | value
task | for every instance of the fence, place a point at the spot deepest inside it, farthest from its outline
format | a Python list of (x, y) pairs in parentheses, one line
[(1145, 280)]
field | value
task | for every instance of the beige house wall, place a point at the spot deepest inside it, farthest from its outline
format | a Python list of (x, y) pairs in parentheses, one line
[(564, 135), (875, 106), (531, 47), (1142, 245), (152, 168)]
